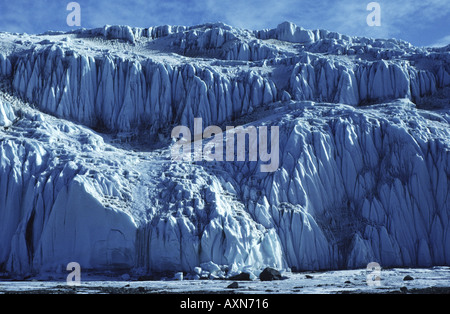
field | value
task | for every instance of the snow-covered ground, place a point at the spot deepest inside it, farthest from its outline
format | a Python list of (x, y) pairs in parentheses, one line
[(433, 280), (86, 173)]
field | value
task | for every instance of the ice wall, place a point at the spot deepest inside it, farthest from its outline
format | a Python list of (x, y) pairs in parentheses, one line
[(119, 94), (7, 115), (123, 95), (355, 184)]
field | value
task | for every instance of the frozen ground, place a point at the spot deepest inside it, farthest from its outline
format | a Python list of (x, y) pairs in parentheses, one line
[(433, 280)]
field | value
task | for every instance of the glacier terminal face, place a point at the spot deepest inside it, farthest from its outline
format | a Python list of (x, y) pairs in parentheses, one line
[(86, 173)]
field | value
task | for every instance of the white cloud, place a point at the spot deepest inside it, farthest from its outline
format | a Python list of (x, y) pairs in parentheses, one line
[(442, 42), (346, 16)]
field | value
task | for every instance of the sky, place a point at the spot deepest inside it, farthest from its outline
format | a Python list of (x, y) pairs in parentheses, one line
[(420, 22)]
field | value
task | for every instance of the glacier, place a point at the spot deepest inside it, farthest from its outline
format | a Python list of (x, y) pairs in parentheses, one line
[(86, 174)]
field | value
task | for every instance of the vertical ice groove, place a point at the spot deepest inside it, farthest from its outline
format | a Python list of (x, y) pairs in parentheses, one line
[(74, 91)]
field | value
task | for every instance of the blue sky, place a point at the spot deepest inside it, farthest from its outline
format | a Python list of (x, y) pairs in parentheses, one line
[(421, 22)]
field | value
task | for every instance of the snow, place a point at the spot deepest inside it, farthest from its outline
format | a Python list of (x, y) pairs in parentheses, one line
[(7, 115), (330, 282), (86, 173)]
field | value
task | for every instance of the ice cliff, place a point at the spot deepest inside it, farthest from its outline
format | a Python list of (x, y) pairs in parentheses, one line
[(86, 174)]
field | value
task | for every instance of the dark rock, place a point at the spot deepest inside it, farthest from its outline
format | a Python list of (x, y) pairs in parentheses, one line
[(347, 282), (404, 289), (270, 274), (145, 278), (233, 285), (408, 278), (309, 277), (141, 289), (241, 277)]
